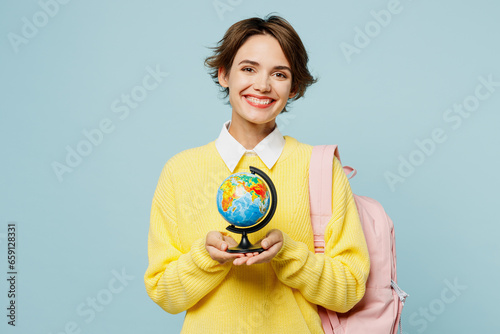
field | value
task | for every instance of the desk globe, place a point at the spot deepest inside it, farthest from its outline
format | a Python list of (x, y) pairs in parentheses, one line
[(243, 200)]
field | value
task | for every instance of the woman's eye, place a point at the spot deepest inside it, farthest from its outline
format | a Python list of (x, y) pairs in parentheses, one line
[(249, 69)]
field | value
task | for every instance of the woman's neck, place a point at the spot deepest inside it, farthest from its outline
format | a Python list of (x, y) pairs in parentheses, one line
[(250, 134)]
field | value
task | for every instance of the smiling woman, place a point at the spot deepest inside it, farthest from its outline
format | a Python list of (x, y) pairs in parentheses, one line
[(289, 42), (259, 83), (261, 65)]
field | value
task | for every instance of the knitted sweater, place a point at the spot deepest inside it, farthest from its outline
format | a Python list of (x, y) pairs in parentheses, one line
[(276, 297)]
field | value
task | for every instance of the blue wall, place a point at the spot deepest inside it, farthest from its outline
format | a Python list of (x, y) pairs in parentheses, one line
[(98, 95)]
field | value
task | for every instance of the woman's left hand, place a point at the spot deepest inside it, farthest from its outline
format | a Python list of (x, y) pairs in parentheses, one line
[(272, 244)]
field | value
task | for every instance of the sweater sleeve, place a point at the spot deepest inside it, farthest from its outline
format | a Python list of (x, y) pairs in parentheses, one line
[(176, 279), (336, 279)]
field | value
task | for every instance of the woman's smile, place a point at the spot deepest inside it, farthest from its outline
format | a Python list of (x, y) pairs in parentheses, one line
[(259, 102)]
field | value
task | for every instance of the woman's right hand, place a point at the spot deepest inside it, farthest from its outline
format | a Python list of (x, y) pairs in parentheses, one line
[(216, 244)]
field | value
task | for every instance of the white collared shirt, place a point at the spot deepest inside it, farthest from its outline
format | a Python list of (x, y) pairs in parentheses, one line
[(269, 149)]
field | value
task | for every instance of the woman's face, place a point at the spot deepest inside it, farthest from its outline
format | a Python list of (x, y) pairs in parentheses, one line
[(259, 81)]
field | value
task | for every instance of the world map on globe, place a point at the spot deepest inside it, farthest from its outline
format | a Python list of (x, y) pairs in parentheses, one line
[(243, 199)]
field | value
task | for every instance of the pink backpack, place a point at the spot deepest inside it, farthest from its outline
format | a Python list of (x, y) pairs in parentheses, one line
[(379, 311)]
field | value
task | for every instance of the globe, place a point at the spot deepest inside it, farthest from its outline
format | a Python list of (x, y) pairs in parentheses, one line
[(243, 199)]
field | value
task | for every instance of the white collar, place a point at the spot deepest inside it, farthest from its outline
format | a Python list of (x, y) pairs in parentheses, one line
[(269, 149)]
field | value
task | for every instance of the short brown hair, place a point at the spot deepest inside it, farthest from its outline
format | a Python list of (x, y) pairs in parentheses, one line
[(275, 26)]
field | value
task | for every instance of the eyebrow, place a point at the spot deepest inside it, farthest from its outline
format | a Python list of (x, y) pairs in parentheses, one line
[(278, 67)]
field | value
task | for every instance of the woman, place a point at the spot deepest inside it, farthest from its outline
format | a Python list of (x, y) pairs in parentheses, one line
[(261, 65)]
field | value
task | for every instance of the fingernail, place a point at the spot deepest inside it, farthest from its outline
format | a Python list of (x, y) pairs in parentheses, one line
[(264, 244)]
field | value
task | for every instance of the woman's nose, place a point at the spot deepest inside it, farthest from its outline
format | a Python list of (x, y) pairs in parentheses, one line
[(262, 83)]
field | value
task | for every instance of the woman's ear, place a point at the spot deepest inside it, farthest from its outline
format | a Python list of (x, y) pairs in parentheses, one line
[(222, 77)]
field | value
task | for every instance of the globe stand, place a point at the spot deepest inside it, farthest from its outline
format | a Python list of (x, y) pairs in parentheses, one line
[(245, 246)]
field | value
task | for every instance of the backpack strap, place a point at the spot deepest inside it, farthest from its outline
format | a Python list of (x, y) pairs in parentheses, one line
[(320, 189), (320, 198), (348, 170)]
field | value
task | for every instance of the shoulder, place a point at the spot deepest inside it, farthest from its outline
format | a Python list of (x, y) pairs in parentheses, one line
[(185, 164), (295, 149), (188, 158), (295, 142), (298, 153)]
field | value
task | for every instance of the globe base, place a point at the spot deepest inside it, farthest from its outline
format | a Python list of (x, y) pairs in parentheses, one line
[(253, 249), (245, 246)]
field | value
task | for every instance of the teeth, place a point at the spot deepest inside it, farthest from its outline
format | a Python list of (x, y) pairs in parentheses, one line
[(258, 101)]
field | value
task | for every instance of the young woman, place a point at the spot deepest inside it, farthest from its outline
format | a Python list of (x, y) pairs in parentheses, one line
[(261, 64)]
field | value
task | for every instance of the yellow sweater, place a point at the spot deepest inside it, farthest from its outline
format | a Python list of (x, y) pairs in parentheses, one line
[(276, 297)]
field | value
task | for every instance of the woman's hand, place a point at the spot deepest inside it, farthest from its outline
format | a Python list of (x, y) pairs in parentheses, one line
[(216, 245), (272, 244)]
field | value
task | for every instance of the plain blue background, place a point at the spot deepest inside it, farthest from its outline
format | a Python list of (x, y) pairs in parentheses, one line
[(77, 231)]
